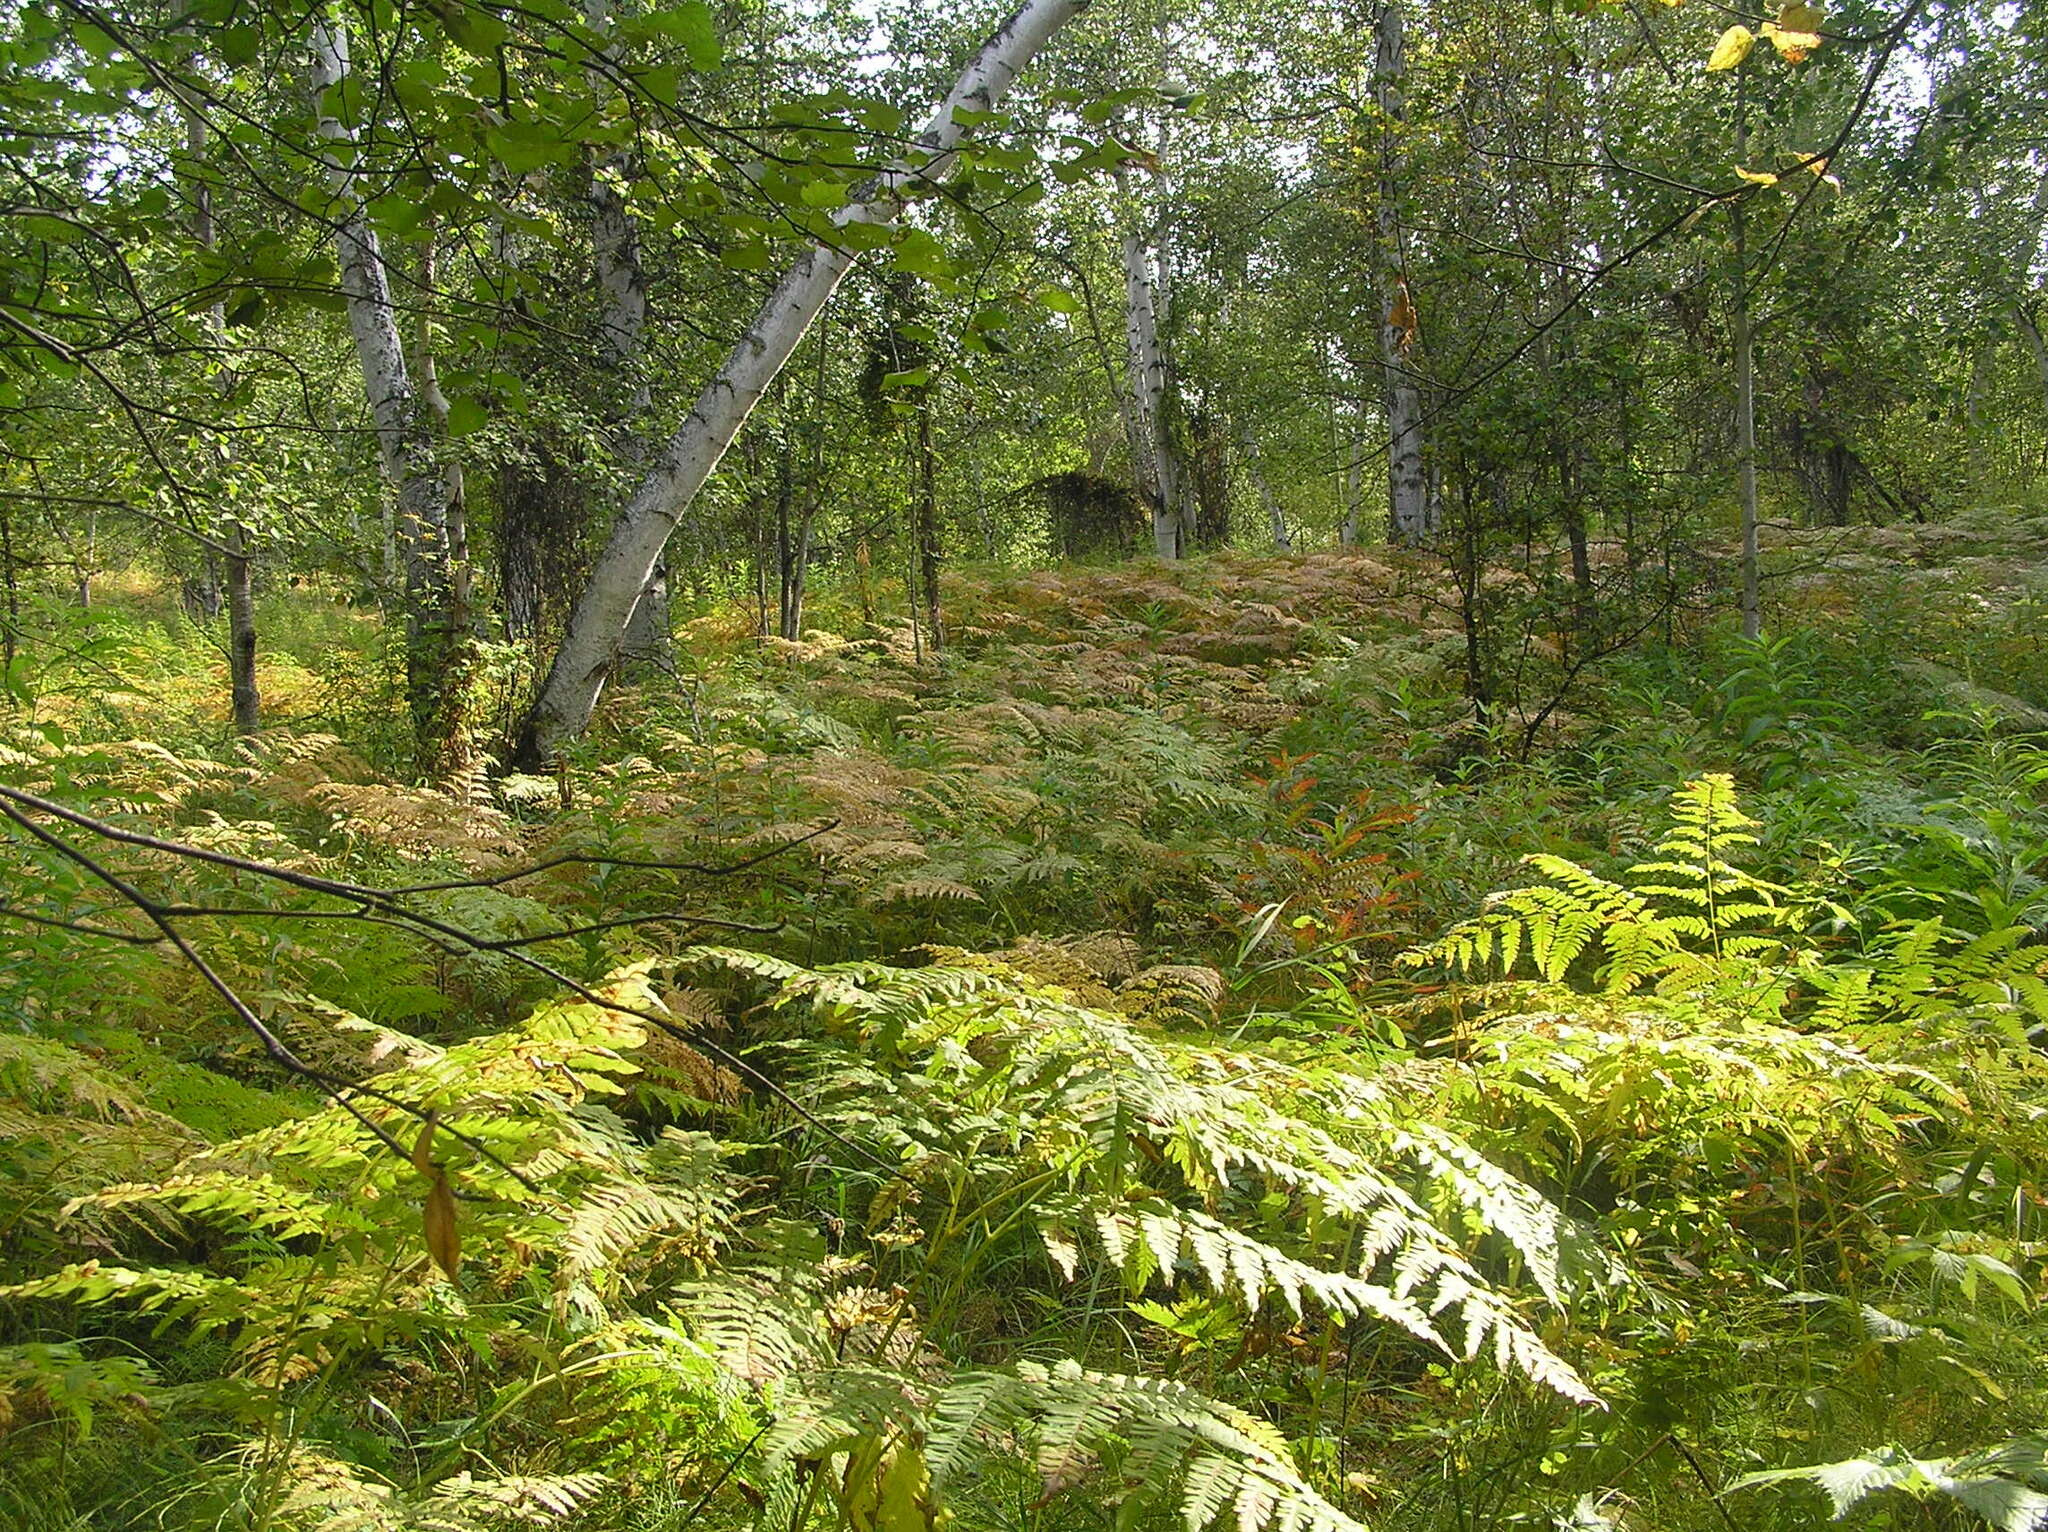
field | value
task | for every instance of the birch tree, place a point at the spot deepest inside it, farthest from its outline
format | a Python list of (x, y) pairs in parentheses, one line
[(597, 626), (1162, 478), (399, 420), (1411, 512), (234, 545)]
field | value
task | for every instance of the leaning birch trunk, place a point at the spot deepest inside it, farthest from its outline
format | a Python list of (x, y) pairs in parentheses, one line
[(404, 447), (238, 566), (1411, 513), (597, 626)]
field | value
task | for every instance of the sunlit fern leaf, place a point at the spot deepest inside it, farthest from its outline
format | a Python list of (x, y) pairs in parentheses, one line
[(1164, 1441), (1998, 1484)]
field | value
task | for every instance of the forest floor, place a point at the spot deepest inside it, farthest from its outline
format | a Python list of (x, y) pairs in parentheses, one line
[(1213, 803)]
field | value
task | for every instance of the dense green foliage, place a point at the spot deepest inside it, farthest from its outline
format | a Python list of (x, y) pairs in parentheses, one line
[(1141, 1108)]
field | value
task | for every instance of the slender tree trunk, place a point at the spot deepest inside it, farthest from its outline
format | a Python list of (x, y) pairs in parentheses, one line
[(404, 443), (928, 549), (238, 573), (622, 286), (1159, 476), (1411, 510), (1571, 507), (1354, 492), (590, 649), (9, 630), (1276, 518), (1975, 436), (1745, 405), (2029, 322), (239, 570), (82, 560), (2025, 313)]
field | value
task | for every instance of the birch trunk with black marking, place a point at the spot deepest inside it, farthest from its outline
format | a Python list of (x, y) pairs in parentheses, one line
[(1158, 469), (398, 422), (1255, 469), (1411, 509), (622, 290), (590, 649)]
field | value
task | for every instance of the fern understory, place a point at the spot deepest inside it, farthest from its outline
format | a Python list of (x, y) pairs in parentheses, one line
[(1180, 1072)]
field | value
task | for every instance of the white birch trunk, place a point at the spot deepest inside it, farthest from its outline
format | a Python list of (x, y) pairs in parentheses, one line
[(1148, 395), (622, 290), (404, 447), (2030, 331), (597, 626), (1411, 508), (1255, 467), (1161, 479)]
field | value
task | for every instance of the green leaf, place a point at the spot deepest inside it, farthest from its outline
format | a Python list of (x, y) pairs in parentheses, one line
[(466, 415), (691, 25)]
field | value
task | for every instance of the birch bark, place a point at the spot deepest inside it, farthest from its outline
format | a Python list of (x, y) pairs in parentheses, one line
[(1161, 479), (597, 626), (398, 422), (1255, 467), (622, 285)]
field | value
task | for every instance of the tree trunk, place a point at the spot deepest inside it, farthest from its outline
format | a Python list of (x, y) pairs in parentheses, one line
[(1975, 440), (238, 572), (2029, 322), (1411, 509), (928, 550), (404, 444), (590, 649), (622, 286), (1158, 469), (241, 591), (1276, 518)]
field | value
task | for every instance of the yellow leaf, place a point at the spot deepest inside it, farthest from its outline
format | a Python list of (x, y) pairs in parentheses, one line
[(1819, 167), (423, 1147), (1800, 17), (905, 1501), (1731, 50), (1793, 47), (1757, 177), (443, 1243)]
